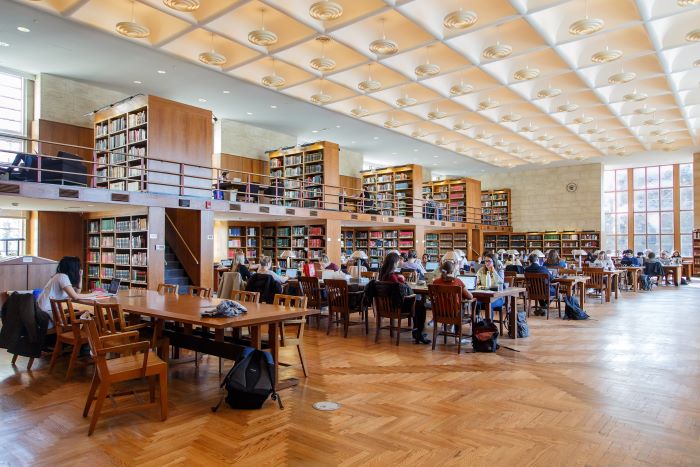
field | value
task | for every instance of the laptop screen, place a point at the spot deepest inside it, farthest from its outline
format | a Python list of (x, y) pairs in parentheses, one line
[(431, 266), (114, 286), (554, 272), (468, 281), (292, 273)]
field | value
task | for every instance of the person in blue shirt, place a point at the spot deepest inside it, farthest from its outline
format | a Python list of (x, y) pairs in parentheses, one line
[(553, 260), (628, 259), (534, 266)]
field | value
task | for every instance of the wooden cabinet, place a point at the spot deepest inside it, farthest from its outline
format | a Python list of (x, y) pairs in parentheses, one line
[(696, 251), (394, 191), (457, 200), (245, 238), (496, 207)]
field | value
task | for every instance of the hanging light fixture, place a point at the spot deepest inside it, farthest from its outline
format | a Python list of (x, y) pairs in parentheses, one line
[(488, 104), (359, 112), (582, 120), (461, 88), (187, 6), (526, 74), (262, 36), (605, 139), (383, 46), (483, 135), (369, 84), (405, 101), (461, 126), (635, 96), (326, 10), (622, 77), (607, 55), (688, 2), (693, 36), (460, 19), (659, 132), (548, 92), (436, 114), (321, 98), (274, 80), (653, 121), (419, 133), (323, 63), (644, 110), (132, 29), (568, 107), (212, 57), (497, 51), (511, 117), (545, 137), (392, 122), (586, 26), (427, 69), (529, 128)]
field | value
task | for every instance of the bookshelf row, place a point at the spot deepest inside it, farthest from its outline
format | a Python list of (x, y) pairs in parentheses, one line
[(496, 207), (564, 242), (696, 250), (117, 248), (391, 190), (453, 200), (377, 243), (439, 243)]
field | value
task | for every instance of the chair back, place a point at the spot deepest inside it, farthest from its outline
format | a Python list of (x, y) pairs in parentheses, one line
[(371, 275), (90, 325), (64, 317), (385, 300), (265, 285), (311, 289), (290, 301), (308, 270), (537, 284), (338, 298), (244, 296), (567, 272), (447, 303), (229, 282), (596, 277), (197, 291), (410, 276), (515, 268), (109, 318), (167, 289)]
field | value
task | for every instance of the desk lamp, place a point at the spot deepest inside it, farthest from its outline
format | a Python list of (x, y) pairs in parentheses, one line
[(580, 254)]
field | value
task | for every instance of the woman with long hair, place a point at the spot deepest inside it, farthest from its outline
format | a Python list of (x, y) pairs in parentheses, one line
[(447, 277), (553, 260), (62, 285)]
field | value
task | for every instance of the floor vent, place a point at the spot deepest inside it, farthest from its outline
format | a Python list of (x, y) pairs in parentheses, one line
[(120, 197), (68, 193), (9, 188)]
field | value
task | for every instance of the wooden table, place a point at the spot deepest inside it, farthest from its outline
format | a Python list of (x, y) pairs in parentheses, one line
[(676, 270), (635, 271), (572, 282), (612, 284), (688, 270), (186, 309)]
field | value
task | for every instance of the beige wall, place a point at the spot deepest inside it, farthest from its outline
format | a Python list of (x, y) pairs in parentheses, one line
[(64, 100), (696, 190), (241, 139), (540, 200), (350, 163)]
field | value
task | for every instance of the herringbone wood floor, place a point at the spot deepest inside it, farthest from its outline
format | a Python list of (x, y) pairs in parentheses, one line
[(620, 390)]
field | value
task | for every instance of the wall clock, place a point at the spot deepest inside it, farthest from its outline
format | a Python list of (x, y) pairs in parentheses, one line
[(571, 187)]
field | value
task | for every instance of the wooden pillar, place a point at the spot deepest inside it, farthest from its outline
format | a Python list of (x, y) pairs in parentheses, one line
[(156, 247), (333, 241), (696, 189), (475, 241), (419, 240), (206, 253)]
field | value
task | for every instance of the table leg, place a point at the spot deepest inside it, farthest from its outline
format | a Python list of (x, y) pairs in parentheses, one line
[(513, 317), (616, 285), (582, 293), (635, 276), (608, 288), (677, 277)]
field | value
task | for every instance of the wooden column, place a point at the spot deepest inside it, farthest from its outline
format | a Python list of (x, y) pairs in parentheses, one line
[(206, 253), (333, 246), (419, 240), (696, 189), (156, 247)]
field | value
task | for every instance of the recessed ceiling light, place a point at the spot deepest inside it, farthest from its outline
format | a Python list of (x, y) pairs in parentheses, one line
[(162, 72), (376, 137), (227, 92), (249, 113), (23, 29), (201, 99), (394, 153), (4, 44), (352, 142), (436, 157), (337, 126), (137, 81), (415, 150), (314, 131)]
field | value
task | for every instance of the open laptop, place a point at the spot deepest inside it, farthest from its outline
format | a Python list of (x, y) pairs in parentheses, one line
[(432, 266), (291, 273), (468, 281), (113, 287), (554, 272)]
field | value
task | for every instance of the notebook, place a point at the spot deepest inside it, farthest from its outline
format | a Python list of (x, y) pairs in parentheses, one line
[(468, 281)]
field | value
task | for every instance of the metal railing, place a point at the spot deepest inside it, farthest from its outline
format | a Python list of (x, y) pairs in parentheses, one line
[(122, 171)]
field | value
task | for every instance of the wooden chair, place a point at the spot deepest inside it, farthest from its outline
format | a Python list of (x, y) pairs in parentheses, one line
[(167, 289), (311, 289), (510, 277), (68, 332), (568, 272), (384, 307), (139, 363), (244, 296), (538, 289), (339, 305), (410, 276), (596, 281), (447, 310), (110, 319), (293, 301), (204, 292), (371, 275)]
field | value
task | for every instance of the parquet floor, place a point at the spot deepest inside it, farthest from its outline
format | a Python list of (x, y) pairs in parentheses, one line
[(623, 389)]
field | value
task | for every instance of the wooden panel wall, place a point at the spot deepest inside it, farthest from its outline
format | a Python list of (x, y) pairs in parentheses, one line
[(188, 223), (156, 257), (61, 234), (351, 183), (245, 164), (63, 133)]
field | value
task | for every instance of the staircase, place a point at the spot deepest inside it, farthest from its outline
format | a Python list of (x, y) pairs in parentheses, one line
[(174, 273)]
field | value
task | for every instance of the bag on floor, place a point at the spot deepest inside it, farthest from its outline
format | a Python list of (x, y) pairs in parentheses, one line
[(573, 310), (485, 336), (523, 329), (645, 282), (250, 382)]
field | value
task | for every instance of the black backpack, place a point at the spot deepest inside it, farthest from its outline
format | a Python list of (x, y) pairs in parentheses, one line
[(572, 309), (485, 336), (250, 382), (523, 329)]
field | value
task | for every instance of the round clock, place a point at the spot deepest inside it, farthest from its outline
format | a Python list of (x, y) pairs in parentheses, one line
[(571, 187)]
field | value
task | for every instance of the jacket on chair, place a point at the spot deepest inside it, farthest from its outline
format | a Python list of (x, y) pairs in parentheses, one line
[(24, 325)]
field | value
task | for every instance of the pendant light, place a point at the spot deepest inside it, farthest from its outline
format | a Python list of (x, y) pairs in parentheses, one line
[(635, 96), (323, 63), (405, 101), (587, 25), (369, 84), (262, 36), (274, 80), (321, 98), (607, 55), (132, 29), (427, 69), (212, 57), (498, 50), (548, 92), (461, 88), (622, 77), (436, 114), (526, 74), (459, 19), (186, 6), (383, 46), (326, 10)]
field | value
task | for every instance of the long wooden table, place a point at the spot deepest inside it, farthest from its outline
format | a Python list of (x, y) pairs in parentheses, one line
[(571, 281), (186, 310), (676, 270), (633, 271)]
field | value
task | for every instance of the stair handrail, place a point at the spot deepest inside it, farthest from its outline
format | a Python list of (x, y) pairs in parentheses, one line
[(184, 242)]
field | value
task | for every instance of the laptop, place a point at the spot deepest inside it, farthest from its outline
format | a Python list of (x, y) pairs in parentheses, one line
[(431, 266), (226, 263), (468, 281), (554, 272), (374, 266), (114, 287), (291, 273)]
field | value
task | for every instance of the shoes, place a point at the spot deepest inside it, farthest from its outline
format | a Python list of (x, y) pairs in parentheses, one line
[(420, 338)]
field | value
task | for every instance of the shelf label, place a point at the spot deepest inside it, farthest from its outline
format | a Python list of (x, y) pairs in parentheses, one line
[(153, 236), (160, 247), (210, 237)]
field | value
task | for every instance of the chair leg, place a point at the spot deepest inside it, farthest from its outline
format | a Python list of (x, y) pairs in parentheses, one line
[(104, 387), (328, 328), (435, 326), (30, 363), (56, 349), (379, 324), (444, 333), (398, 331), (91, 393), (73, 358), (300, 349), (366, 321), (346, 324), (163, 383), (14, 359), (459, 339), (151, 389)]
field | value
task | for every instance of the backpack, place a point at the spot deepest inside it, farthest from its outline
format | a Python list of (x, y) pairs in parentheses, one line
[(485, 336), (523, 329), (646, 282), (250, 382), (572, 309)]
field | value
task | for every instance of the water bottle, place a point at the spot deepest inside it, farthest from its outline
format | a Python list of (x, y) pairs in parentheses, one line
[(500, 286), (488, 280)]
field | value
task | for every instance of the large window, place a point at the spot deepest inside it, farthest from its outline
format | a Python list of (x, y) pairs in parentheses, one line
[(11, 115), (649, 208), (12, 232)]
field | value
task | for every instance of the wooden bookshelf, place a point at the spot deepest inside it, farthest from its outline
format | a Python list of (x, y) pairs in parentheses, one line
[(376, 243), (432, 246), (145, 127), (563, 241), (394, 189), (308, 242), (696, 251), (458, 199), (117, 248), (496, 207), (246, 238), (306, 169)]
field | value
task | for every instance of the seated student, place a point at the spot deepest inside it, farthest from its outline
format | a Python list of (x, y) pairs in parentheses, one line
[(62, 285), (628, 259), (676, 257), (641, 259), (534, 266), (326, 264), (604, 262), (488, 277), (553, 260), (387, 273), (413, 264), (240, 267), (665, 258), (266, 268), (513, 260), (447, 277)]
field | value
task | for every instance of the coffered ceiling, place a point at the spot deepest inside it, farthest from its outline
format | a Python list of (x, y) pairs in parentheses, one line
[(505, 82)]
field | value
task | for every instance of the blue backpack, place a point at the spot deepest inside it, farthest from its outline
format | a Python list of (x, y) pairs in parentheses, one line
[(573, 310)]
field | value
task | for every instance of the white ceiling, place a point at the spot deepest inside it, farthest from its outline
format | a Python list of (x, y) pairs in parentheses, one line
[(649, 33)]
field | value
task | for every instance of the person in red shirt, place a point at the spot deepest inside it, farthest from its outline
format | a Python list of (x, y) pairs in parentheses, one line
[(447, 277)]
